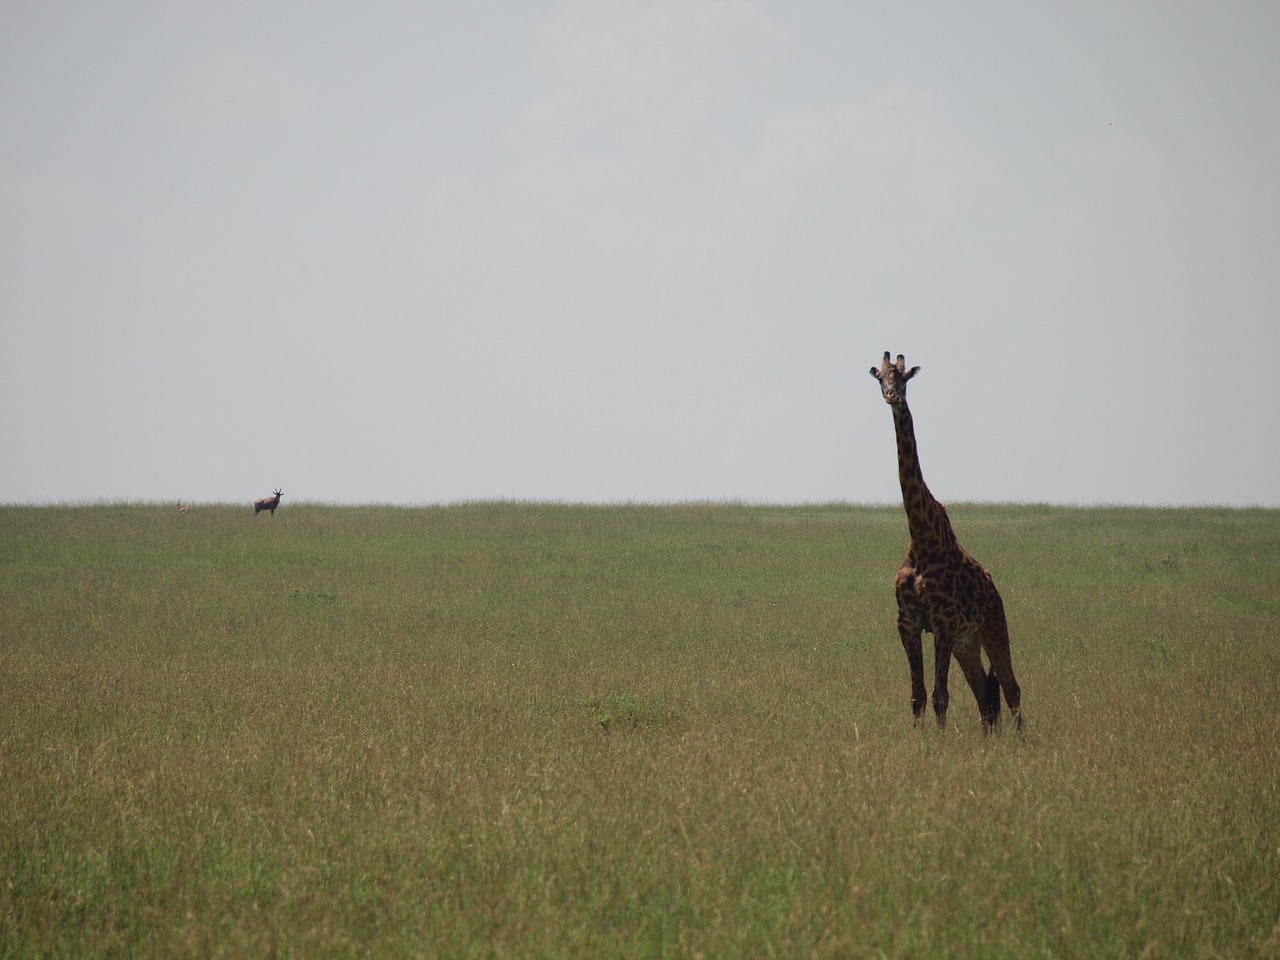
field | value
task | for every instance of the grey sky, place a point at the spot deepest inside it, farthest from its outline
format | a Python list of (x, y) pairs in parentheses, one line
[(622, 250)]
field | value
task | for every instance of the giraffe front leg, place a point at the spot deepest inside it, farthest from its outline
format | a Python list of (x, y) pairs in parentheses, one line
[(914, 646), (912, 643), (910, 629)]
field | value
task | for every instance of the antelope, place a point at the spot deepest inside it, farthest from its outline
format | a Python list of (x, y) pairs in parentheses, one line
[(182, 509), (267, 503)]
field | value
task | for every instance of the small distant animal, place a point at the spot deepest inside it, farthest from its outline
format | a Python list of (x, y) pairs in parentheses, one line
[(267, 503), (182, 509)]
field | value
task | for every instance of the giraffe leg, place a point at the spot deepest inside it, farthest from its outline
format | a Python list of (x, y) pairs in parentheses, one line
[(910, 632), (942, 666), (985, 689), (993, 699), (995, 640), (912, 643)]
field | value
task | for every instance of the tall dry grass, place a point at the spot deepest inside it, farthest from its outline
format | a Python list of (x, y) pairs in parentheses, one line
[(543, 730)]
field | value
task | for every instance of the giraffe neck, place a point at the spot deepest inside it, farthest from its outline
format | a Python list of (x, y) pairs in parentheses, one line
[(927, 521)]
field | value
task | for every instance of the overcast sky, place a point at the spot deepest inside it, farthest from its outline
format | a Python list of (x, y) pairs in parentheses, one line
[(605, 251)]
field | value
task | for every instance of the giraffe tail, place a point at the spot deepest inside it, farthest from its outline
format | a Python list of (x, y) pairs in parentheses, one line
[(993, 699)]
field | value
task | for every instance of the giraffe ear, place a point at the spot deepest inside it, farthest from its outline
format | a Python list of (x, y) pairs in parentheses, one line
[(875, 373), (911, 373)]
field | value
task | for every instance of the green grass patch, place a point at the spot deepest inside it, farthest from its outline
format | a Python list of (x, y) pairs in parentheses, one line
[(533, 730), (624, 711)]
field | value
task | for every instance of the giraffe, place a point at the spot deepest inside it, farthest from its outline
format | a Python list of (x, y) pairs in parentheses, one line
[(941, 588)]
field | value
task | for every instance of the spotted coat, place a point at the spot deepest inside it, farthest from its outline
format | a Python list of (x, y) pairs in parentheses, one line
[(941, 589)]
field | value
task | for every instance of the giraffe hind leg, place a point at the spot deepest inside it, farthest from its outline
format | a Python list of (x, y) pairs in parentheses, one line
[(995, 641), (985, 686), (992, 710), (943, 650)]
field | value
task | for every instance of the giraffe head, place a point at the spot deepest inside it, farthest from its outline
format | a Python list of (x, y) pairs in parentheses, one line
[(893, 376)]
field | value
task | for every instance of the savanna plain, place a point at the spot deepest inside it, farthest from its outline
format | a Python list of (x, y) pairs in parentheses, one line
[(554, 730)]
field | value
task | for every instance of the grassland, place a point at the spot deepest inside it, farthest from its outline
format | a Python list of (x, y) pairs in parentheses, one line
[(534, 730)]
